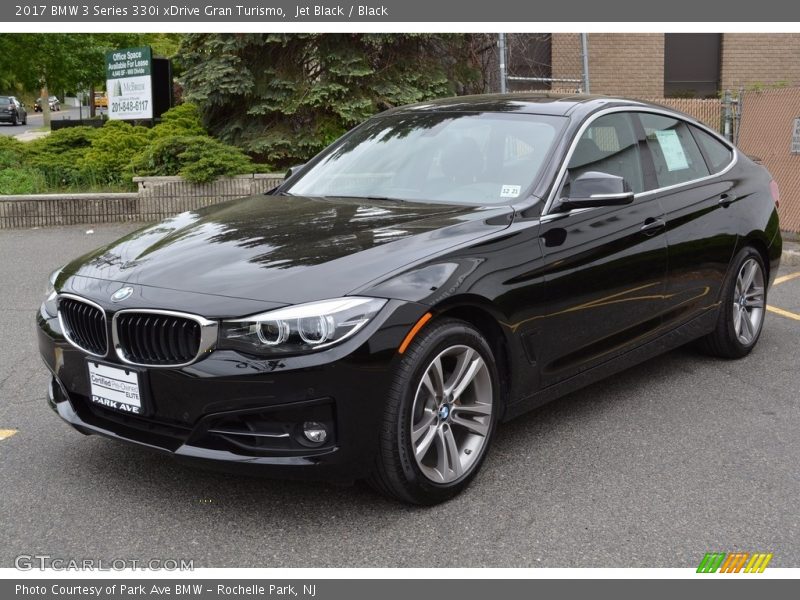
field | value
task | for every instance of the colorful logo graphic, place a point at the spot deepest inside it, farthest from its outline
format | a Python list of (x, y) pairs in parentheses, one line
[(735, 562)]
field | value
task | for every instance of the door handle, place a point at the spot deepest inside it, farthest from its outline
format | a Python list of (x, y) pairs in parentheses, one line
[(652, 225), (725, 200)]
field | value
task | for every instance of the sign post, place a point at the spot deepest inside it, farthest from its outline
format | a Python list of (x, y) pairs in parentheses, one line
[(129, 83)]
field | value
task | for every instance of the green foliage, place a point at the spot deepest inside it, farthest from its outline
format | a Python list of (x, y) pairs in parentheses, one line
[(58, 155), (108, 157), (105, 158), (284, 97), (12, 152), (21, 180), (184, 119), (197, 158)]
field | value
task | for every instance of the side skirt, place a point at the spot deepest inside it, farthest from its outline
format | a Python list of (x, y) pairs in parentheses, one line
[(694, 329)]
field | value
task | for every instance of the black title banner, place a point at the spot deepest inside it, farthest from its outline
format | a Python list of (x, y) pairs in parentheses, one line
[(321, 11)]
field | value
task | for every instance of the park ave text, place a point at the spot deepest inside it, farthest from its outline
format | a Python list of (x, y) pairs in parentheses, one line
[(182, 11)]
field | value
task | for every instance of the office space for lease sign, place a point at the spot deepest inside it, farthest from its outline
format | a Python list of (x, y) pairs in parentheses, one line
[(129, 84)]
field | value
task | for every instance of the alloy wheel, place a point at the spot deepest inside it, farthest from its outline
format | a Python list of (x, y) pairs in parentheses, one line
[(748, 302), (452, 414)]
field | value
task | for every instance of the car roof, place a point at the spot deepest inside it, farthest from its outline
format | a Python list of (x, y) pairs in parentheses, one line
[(542, 103)]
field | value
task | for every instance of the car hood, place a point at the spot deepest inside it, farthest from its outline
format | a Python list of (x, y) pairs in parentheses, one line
[(286, 249)]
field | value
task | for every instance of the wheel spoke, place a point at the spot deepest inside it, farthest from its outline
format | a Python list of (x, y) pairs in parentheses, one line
[(437, 377), (430, 386), (452, 460), (463, 364), (472, 409), (422, 425), (748, 273), (466, 377), (754, 297), (747, 326), (737, 319), (428, 435), (470, 425)]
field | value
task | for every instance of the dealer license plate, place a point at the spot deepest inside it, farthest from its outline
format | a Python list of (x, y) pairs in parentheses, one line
[(115, 388)]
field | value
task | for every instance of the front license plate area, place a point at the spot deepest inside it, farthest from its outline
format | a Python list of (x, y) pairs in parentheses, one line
[(115, 388)]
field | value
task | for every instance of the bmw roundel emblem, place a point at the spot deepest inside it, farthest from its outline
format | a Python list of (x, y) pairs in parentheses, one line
[(121, 294)]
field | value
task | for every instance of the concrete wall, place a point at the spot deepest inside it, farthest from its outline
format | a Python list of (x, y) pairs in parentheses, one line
[(156, 198)]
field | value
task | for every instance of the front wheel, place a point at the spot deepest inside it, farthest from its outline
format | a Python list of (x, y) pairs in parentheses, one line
[(741, 315), (440, 415)]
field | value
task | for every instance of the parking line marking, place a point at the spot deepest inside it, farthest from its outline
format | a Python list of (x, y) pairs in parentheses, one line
[(784, 278), (783, 313), (6, 433)]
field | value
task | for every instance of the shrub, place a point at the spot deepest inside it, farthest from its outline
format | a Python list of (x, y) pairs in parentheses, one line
[(197, 158), (183, 119), (12, 152), (107, 160), (21, 181), (58, 156)]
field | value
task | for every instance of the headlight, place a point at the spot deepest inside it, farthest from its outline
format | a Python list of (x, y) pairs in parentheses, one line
[(300, 328), (49, 305)]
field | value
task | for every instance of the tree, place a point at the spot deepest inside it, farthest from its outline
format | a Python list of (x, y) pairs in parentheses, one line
[(45, 62), (284, 97)]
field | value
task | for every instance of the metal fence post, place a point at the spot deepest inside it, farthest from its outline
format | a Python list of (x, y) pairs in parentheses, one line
[(727, 116), (585, 59), (501, 43)]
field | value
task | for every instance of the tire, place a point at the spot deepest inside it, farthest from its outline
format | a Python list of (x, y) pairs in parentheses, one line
[(454, 426), (25, 120), (15, 122), (742, 311)]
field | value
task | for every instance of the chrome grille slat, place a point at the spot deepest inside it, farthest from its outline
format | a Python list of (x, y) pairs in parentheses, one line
[(161, 338), (84, 324)]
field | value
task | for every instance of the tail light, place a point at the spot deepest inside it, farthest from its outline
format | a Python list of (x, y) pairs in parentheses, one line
[(776, 193)]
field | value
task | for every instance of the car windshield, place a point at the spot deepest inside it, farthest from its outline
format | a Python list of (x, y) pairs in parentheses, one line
[(5, 100), (473, 158)]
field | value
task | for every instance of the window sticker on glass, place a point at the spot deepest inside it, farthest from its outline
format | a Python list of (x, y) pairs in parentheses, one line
[(510, 191), (672, 150)]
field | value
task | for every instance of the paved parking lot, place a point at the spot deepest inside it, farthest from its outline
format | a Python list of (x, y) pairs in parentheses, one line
[(655, 467)]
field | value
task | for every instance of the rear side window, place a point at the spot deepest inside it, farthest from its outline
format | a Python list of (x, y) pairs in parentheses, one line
[(718, 155), (609, 145), (676, 156)]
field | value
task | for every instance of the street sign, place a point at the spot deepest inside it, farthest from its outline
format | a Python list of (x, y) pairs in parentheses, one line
[(129, 84)]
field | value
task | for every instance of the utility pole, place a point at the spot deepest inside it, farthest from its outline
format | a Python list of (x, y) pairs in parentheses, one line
[(501, 44), (585, 58)]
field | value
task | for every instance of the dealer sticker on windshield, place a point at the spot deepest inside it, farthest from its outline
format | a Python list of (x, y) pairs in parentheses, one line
[(510, 191), (115, 388)]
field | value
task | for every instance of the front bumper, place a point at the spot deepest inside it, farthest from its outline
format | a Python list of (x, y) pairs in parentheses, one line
[(236, 412)]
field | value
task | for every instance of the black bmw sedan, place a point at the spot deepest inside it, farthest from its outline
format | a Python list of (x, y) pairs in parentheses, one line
[(441, 268)]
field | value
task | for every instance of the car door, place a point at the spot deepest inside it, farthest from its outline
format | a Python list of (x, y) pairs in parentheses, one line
[(701, 232), (605, 268)]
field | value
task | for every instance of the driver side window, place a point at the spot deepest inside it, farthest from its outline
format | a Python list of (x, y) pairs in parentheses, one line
[(608, 145)]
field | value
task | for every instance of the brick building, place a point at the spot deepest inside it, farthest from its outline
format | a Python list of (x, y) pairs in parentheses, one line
[(651, 65)]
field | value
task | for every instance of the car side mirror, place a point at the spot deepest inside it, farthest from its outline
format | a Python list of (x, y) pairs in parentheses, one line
[(595, 188), (293, 171)]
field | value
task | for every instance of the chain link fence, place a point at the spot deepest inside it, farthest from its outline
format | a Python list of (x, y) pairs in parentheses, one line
[(544, 62)]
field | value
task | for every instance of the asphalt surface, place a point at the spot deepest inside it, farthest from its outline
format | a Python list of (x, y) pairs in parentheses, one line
[(36, 120), (653, 468)]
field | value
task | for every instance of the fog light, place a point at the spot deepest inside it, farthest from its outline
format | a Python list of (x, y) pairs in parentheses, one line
[(315, 432)]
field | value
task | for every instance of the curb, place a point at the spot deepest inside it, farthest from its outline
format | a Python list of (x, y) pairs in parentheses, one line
[(790, 258)]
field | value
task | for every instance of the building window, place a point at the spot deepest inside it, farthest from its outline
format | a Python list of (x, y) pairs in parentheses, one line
[(692, 64)]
